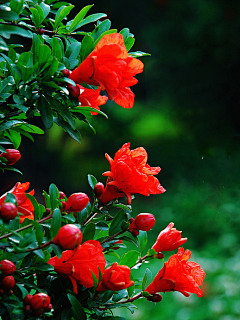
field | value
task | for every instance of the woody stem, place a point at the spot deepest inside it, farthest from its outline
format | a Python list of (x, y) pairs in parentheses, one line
[(90, 217), (40, 247), (112, 237), (141, 260), (137, 296), (24, 228)]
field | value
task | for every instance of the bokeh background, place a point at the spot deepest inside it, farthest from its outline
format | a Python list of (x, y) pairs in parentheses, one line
[(186, 116)]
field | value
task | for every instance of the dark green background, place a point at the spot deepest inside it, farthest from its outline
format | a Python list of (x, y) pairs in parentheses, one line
[(186, 116)]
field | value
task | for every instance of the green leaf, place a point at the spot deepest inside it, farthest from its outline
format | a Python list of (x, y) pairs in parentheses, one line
[(143, 239), (81, 216), (16, 5), (79, 17), (73, 50), (55, 223), (117, 222), (46, 112), (77, 309), (27, 240), (130, 258), (47, 199), (95, 280), (10, 197), (138, 54), (7, 30), (65, 113), (54, 196), (87, 46), (43, 55), (82, 109), (61, 14), (10, 124), (57, 250), (43, 266), (26, 91), (35, 17), (147, 279), (40, 13), (129, 43), (89, 232), (46, 9), (73, 133), (91, 18), (101, 28), (9, 15), (25, 63), (52, 69), (92, 181), (126, 33), (22, 289), (56, 49), (35, 205), (39, 233)]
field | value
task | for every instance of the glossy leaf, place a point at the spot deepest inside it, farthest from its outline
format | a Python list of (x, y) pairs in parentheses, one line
[(130, 258), (79, 18), (89, 232), (55, 223), (92, 181), (117, 222), (87, 46), (61, 14), (147, 279), (46, 112)]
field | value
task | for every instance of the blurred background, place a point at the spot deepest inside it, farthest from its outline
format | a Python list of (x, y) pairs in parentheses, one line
[(186, 116)]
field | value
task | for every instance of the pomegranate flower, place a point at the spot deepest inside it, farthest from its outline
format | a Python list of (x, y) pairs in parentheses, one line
[(115, 278), (130, 174), (178, 275), (169, 239), (77, 264), (91, 98), (24, 204), (110, 67)]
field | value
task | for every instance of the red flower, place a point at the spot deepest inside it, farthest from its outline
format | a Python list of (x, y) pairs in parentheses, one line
[(24, 204), (130, 174), (91, 98), (12, 156), (110, 67), (168, 239), (77, 264), (115, 278), (178, 275)]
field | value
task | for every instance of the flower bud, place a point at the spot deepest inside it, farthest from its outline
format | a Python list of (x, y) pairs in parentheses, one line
[(62, 195), (8, 211), (73, 91), (7, 267), (8, 283), (135, 232), (41, 30), (12, 156), (49, 307), (40, 301), (98, 189), (156, 297), (77, 202), (144, 221), (159, 255), (66, 72), (27, 308), (1, 291), (27, 299), (69, 237)]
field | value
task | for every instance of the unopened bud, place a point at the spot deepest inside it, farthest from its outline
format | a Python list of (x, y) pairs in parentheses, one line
[(77, 202), (144, 221), (156, 297), (8, 283), (98, 189), (8, 211)]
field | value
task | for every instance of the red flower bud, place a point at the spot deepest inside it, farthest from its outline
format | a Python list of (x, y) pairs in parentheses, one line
[(49, 307), (73, 91), (8, 211), (8, 283), (62, 195), (69, 237), (12, 156), (41, 31), (40, 301), (66, 72), (27, 299), (115, 278), (168, 239), (1, 291), (7, 267), (159, 255), (77, 202), (63, 205), (27, 308), (155, 297), (98, 189), (48, 211), (135, 232), (131, 220), (144, 221)]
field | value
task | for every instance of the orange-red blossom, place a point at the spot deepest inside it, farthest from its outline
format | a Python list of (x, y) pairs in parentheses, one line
[(130, 174), (77, 264), (24, 204), (111, 67), (178, 275)]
